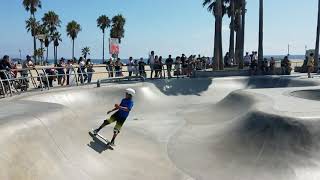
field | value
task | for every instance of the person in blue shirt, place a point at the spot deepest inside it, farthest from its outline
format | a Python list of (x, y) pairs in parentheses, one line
[(120, 116)]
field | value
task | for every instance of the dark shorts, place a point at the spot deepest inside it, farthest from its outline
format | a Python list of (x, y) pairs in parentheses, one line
[(119, 121)]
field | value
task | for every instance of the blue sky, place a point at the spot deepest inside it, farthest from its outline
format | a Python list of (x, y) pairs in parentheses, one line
[(166, 26)]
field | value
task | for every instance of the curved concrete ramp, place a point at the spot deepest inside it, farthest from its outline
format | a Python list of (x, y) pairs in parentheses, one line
[(178, 129)]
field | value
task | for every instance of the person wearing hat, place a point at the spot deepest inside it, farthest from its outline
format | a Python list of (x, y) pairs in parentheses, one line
[(61, 72), (123, 109)]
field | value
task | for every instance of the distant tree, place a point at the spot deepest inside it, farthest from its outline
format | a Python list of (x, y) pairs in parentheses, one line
[(33, 26), (73, 29), (103, 22), (32, 7), (56, 38), (117, 28), (85, 52)]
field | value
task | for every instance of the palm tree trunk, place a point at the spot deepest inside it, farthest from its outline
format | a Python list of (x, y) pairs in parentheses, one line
[(103, 48), (218, 35), (238, 41), (54, 55), (41, 46), (72, 48), (47, 54), (316, 55), (35, 49), (260, 48), (231, 43), (57, 53), (243, 22)]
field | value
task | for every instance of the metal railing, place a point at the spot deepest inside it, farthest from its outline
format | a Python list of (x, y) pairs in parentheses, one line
[(17, 81)]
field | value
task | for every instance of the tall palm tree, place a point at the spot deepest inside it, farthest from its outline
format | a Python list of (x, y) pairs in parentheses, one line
[(316, 56), (231, 14), (242, 33), (260, 48), (117, 29), (218, 9), (32, 6), (44, 32), (85, 52), (103, 22), (73, 29), (56, 38), (51, 21), (32, 25), (46, 44)]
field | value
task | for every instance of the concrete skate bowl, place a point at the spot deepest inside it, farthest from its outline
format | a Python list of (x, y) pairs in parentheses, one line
[(178, 129), (307, 94)]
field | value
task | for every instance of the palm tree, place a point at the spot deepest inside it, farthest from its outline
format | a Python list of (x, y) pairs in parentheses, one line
[(260, 48), (56, 38), (46, 44), (32, 25), (103, 22), (40, 53), (316, 55), (85, 52), (218, 9), (51, 21), (73, 28), (242, 30), (44, 32), (32, 6), (231, 14), (117, 29)]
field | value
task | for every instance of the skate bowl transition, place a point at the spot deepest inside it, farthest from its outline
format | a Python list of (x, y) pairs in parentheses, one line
[(204, 129)]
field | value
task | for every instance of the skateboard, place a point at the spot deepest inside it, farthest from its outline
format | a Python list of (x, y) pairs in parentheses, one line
[(101, 137)]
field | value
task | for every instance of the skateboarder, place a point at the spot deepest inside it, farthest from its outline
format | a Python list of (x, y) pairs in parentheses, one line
[(120, 116)]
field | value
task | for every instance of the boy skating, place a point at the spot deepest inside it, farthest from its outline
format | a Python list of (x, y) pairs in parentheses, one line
[(120, 116)]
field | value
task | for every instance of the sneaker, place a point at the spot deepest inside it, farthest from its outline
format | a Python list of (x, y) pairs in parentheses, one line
[(112, 144), (95, 132)]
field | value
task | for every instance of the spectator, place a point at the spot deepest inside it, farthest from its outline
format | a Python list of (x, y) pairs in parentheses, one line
[(130, 66), (254, 67), (135, 68), (61, 72), (151, 62), (5, 66), (226, 60), (160, 66), (51, 73), (142, 71), (118, 68), (68, 71), (25, 66), (265, 66), (109, 67), (286, 66), (247, 60), (310, 65), (169, 63), (157, 66), (272, 66), (177, 66), (82, 70), (90, 70)]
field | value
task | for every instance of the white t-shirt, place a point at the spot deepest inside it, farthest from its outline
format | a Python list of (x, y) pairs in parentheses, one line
[(247, 59), (151, 59)]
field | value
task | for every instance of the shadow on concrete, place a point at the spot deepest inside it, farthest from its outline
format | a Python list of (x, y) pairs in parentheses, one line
[(98, 145), (175, 87), (307, 94), (277, 82)]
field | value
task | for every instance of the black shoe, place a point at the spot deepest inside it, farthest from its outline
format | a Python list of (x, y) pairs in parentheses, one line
[(95, 132)]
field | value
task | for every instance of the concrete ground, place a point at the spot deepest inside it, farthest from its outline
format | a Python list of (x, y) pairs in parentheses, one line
[(233, 128)]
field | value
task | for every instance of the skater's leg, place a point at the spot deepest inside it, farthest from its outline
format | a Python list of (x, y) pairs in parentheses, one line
[(115, 134), (105, 123), (116, 131)]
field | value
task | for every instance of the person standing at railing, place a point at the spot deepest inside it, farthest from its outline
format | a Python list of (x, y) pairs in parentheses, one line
[(5, 66), (25, 66), (90, 70), (118, 68), (68, 71), (177, 67), (160, 66), (135, 68), (142, 71), (151, 62), (109, 67), (157, 66), (310, 65), (130, 66), (272, 66), (82, 70), (169, 63), (61, 72)]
